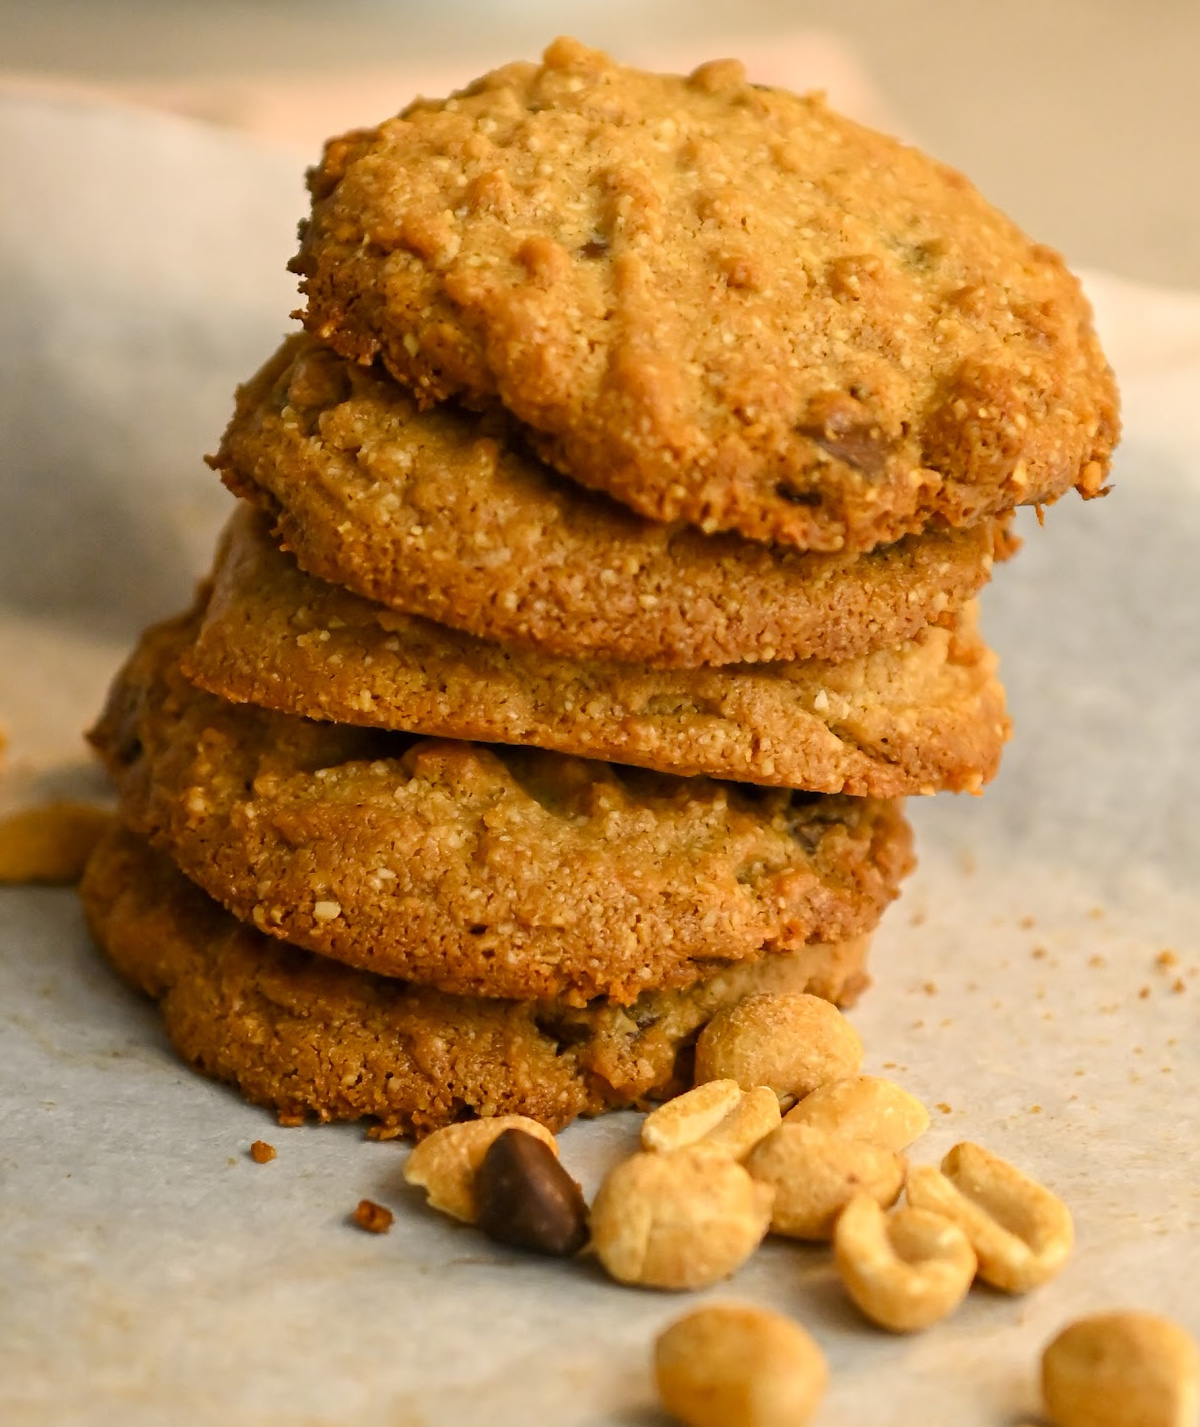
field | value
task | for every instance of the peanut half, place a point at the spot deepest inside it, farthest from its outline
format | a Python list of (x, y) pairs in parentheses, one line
[(815, 1175), (445, 1163), (719, 1116), (864, 1107), (791, 1041), (905, 1270), (731, 1366), (688, 1117), (684, 1219), (1122, 1370), (1022, 1234)]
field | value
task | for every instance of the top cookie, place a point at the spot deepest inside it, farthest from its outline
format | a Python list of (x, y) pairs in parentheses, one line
[(717, 302)]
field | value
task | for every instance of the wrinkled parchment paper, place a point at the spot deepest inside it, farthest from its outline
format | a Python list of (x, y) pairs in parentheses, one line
[(151, 1274)]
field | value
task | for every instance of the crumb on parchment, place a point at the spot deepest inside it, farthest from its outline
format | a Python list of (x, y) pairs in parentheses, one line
[(372, 1217)]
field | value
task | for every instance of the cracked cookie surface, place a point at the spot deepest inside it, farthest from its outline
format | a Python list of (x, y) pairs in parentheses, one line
[(718, 302), (488, 871)]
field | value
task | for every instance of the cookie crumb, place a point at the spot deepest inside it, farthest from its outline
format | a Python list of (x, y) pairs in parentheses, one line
[(1166, 959), (290, 1119), (1144, 993), (261, 1152), (372, 1217), (944, 1108)]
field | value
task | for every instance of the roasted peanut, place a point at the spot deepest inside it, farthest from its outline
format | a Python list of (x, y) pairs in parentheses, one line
[(717, 1116), (1021, 1233), (679, 1220), (791, 1041), (752, 1119), (1122, 1370), (905, 1270), (445, 1163), (525, 1198), (733, 1366), (685, 1119), (864, 1107), (51, 843), (816, 1174)]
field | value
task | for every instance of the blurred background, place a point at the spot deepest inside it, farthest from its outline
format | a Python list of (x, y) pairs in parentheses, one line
[(1079, 117)]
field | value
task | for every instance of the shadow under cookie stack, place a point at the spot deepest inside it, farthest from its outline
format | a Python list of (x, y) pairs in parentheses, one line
[(601, 582)]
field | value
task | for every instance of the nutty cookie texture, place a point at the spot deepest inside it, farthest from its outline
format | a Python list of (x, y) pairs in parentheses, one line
[(493, 872), (307, 1036), (926, 715), (718, 302), (437, 513)]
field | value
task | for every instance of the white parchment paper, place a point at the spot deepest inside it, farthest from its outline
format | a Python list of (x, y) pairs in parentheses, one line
[(151, 1274)]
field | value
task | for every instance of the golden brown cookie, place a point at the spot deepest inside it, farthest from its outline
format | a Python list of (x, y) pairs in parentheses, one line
[(718, 302), (924, 716), (484, 871), (436, 514), (307, 1036)]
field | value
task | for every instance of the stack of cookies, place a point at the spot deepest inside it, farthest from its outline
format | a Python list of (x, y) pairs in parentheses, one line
[(602, 581)]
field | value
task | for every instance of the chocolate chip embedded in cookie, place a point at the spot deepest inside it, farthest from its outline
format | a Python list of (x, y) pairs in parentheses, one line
[(485, 871), (718, 302), (926, 715), (436, 513), (305, 1035)]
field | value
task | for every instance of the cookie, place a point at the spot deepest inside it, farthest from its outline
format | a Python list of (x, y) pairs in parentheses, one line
[(484, 871), (438, 514), (307, 1036), (720, 303), (924, 716)]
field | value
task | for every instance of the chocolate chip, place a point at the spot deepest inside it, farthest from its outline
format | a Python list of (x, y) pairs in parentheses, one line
[(844, 429), (129, 749), (797, 497), (527, 1199)]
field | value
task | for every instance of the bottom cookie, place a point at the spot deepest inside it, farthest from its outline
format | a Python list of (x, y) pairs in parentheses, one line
[(306, 1035)]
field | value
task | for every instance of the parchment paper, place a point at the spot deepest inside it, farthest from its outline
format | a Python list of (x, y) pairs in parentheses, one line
[(151, 1274)]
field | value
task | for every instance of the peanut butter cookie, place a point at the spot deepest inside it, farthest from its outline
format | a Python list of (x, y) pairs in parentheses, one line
[(718, 302), (926, 715), (436, 513), (308, 1036), (485, 871)]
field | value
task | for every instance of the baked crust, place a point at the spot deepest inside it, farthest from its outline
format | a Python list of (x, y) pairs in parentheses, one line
[(921, 717), (718, 302), (485, 871), (438, 513), (307, 1036)]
